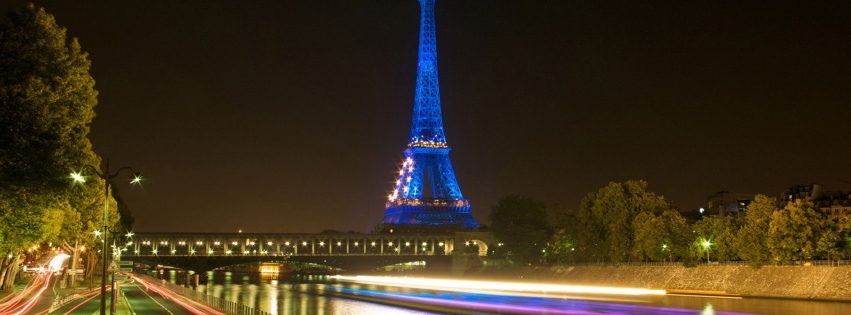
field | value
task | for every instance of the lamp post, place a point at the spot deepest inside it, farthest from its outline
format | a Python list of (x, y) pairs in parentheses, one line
[(706, 244), (107, 177)]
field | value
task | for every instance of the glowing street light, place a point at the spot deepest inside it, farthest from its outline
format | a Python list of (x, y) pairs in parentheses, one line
[(107, 177), (706, 245)]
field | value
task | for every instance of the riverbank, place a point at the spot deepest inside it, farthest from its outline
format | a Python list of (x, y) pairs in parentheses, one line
[(795, 282)]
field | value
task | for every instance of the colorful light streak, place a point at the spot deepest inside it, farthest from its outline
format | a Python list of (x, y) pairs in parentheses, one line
[(34, 290), (179, 299), (478, 303), (495, 287)]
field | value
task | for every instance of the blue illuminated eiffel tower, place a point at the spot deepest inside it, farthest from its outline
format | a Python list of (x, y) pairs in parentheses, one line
[(426, 167)]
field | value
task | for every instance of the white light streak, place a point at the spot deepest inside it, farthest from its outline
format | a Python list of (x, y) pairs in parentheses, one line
[(467, 285)]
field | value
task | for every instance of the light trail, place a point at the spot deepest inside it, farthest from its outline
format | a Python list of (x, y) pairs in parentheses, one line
[(25, 307), (6, 306), (83, 302), (178, 299), (492, 287), (466, 296)]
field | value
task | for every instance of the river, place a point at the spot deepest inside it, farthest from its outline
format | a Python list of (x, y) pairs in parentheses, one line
[(319, 294)]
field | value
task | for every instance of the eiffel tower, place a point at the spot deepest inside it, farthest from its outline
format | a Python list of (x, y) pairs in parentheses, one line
[(426, 168)]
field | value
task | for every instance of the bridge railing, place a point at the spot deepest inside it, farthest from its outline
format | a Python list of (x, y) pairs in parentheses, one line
[(274, 255), (220, 304)]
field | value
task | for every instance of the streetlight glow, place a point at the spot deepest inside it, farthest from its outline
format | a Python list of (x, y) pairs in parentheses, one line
[(107, 177), (78, 178)]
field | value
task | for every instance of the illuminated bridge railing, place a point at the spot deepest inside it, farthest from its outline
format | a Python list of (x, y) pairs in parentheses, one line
[(288, 245)]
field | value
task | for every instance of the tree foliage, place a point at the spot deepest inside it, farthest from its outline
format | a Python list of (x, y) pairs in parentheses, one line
[(520, 223), (794, 231), (750, 242), (563, 242), (47, 101), (608, 223), (660, 237), (721, 233)]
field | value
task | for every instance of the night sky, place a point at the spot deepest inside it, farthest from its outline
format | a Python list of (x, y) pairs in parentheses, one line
[(291, 116)]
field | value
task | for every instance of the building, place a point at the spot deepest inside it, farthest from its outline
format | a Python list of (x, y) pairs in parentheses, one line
[(834, 204), (727, 204)]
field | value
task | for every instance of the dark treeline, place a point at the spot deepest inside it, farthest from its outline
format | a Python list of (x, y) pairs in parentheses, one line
[(625, 222)]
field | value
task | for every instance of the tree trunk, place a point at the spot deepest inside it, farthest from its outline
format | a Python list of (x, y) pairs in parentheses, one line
[(4, 264), (9, 271), (91, 260), (75, 255)]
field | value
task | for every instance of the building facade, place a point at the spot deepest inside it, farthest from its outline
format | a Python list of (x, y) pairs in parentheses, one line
[(727, 204), (832, 203)]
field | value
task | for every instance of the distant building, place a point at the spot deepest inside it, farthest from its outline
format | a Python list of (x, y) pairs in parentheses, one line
[(834, 204), (727, 204), (693, 215), (811, 192)]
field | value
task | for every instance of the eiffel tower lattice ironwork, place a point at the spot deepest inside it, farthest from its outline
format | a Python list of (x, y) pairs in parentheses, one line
[(426, 167)]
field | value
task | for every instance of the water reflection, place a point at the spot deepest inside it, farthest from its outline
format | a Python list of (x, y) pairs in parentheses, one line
[(321, 295)]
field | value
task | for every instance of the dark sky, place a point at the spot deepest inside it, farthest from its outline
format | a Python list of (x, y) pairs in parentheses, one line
[(291, 116)]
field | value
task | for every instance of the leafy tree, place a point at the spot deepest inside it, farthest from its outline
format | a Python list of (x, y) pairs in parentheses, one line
[(591, 235), (564, 241), (844, 225), (660, 237), (721, 233), (794, 231), (47, 98), (126, 218), (649, 237), (750, 242), (677, 236), (27, 217), (606, 220), (46, 101), (520, 223), (829, 244)]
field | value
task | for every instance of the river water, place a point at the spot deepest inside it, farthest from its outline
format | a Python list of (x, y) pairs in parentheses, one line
[(318, 294)]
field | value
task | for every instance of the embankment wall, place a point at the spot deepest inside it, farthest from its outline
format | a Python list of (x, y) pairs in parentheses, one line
[(806, 282)]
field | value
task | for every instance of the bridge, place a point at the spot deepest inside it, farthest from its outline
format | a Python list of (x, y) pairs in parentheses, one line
[(347, 251)]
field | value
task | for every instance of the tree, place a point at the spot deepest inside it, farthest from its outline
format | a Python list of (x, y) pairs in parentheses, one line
[(720, 232), (829, 244), (794, 231), (520, 223), (606, 220), (564, 241), (47, 100), (649, 237), (660, 237), (750, 242), (844, 237), (28, 217)]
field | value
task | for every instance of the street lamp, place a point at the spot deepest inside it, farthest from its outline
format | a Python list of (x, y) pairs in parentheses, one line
[(107, 177), (706, 244)]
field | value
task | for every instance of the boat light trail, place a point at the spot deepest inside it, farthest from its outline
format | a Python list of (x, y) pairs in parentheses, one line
[(493, 286)]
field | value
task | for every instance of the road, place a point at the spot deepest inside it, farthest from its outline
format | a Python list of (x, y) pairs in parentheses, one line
[(141, 300)]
